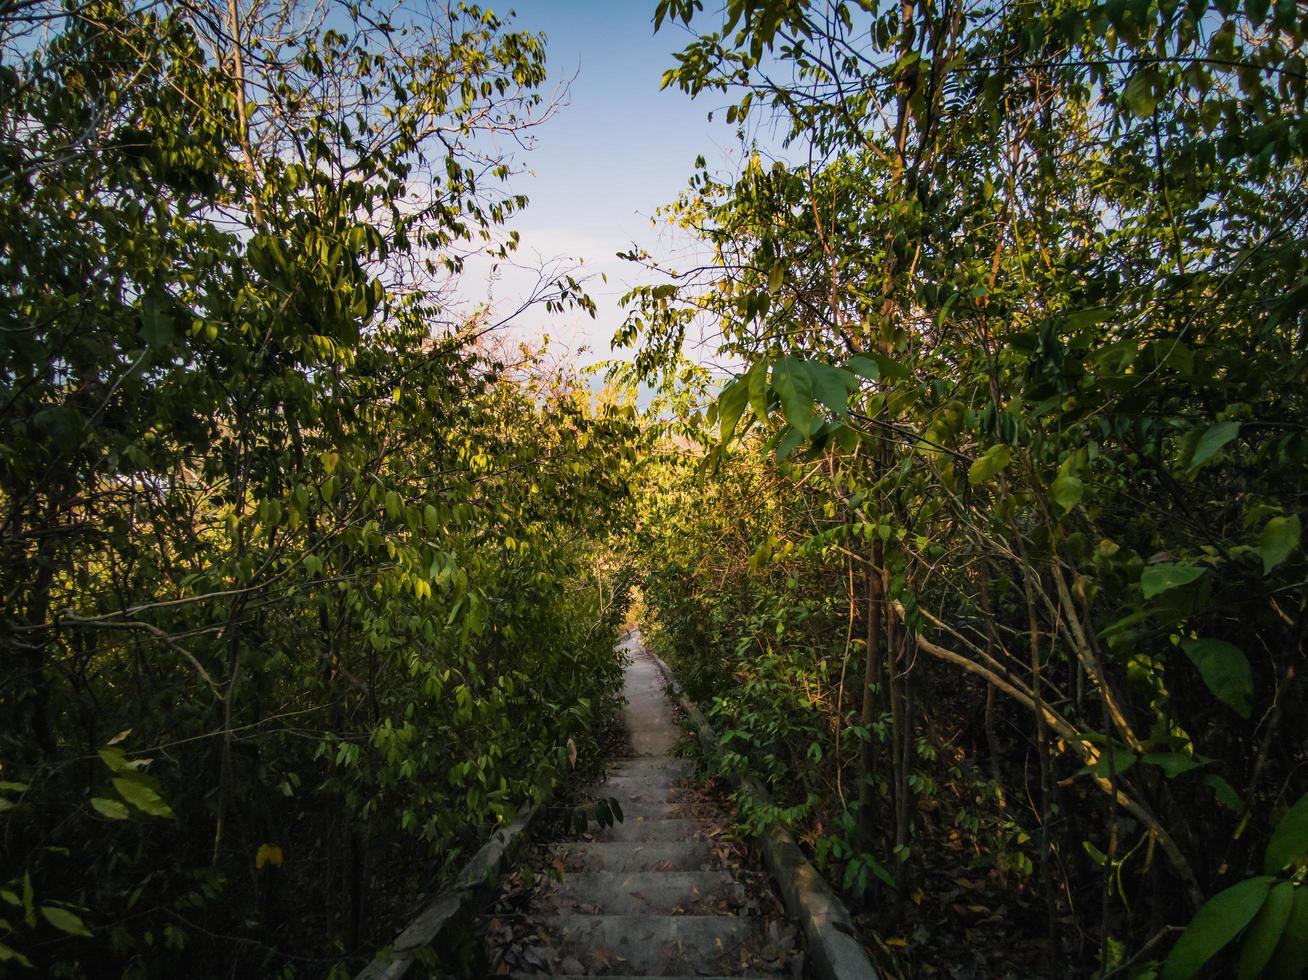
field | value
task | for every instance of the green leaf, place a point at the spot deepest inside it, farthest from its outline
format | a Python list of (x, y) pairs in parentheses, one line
[(156, 322), (1173, 764), (1067, 492), (990, 463), (1256, 11), (115, 759), (1214, 438), (1225, 670), (864, 366), (109, 807), (1289, 841), (1224, 792), (1216, 923), (65, 921), (1157, 579), (756, 381), (1096, 855), (831, 386), (889, 368), (731, 403), (1265, 933), (1113, 761), (776, 276), (138, 792), (875, 366), (9, 953), (1291, 957), (1280, 537), (794, 387), (1140, 95), (1087, 318), (789, 440)]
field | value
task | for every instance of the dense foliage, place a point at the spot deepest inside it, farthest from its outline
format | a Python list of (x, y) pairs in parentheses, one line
[(993, 559), (300, 583)]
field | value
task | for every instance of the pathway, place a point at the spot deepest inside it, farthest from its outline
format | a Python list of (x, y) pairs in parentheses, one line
[(661, 894)]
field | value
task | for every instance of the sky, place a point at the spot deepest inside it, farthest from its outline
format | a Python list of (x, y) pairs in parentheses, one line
[(612, 155)]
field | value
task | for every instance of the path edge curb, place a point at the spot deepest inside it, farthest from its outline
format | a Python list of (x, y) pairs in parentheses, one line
[(834, 950), (471, 888)]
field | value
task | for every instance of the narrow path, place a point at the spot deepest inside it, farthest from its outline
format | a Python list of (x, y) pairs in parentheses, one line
[(664, 893)]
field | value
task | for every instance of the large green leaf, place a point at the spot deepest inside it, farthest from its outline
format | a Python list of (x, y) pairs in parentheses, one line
[(1067, 491), (731, 403), (1280, 537), (1173, 764), (1265, 933), (1290, 960), (1289, 841), (1214, 438), (1156, 579), (756, 381), (1217, 922), (138, 791), (875, 366), (65, 921), (109, 807), (793, 385), (831, 386), (791, 438), (1225, 670), (989, 464)]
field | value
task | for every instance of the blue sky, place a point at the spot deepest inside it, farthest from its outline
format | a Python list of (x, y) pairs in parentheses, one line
[(608, 159)]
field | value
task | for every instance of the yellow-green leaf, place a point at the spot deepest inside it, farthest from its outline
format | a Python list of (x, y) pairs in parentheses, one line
[(65, 921), (1067, 491), (109, 807), (136, 791), (1280, 537), (268, 854), (989, 464)]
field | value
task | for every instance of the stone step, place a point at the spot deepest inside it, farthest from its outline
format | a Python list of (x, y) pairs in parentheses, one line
[(626, 856), (612, 976), (640, 829), (655, 809), (643, 945), (633, 791), (651, 893), (655, 763), (652, 779)]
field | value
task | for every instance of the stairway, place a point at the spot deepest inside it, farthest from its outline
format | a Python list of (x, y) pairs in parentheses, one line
[(661, 894)]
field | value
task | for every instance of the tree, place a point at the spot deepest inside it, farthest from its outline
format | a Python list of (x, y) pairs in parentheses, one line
[(274, 518), (1028, 314)]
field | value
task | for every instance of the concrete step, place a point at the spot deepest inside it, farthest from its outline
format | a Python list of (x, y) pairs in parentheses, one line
[(644, 829), (651, 893), (654, 779), (627, 856), (643, 945), (656, 809), (639, 791), (655, 763)]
